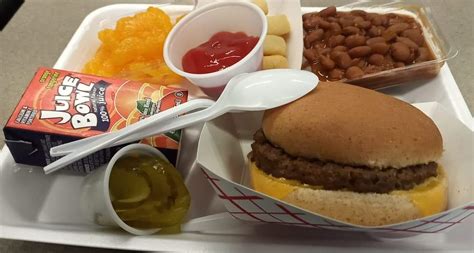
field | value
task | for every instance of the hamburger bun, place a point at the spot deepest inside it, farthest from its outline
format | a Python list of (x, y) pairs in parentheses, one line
[(353, 125), (365, 209), (350, 126)]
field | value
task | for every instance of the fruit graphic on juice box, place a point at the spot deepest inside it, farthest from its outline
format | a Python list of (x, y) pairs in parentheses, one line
[(135, 101), (61, 106)]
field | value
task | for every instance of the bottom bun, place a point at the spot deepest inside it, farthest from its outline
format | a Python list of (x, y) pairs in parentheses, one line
[(366, 209)]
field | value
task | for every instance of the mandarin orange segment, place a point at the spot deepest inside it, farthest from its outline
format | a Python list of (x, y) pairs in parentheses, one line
[(134, 49)]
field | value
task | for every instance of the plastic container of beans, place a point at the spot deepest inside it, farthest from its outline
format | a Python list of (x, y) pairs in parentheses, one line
[(359, 60)]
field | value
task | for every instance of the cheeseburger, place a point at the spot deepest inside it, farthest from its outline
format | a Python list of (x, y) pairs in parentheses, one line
[(351, 154)]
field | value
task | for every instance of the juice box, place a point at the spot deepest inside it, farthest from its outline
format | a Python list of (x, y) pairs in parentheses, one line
[(60, 106)]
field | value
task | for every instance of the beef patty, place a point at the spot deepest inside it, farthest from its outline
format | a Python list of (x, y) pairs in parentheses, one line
[(333, 176)]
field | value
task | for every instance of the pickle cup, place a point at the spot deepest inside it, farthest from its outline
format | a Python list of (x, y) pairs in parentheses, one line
[(95, 203)]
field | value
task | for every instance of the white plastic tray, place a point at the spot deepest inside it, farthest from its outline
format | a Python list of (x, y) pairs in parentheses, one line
[(42, 208)]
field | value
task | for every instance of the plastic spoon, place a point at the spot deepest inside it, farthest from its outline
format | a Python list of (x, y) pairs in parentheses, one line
[(246, 92), (153, 120)]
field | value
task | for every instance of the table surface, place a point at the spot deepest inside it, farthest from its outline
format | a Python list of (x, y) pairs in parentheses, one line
[(40, 30)]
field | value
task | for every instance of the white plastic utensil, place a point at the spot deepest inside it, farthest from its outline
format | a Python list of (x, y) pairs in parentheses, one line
[(141, 125), (256, 91)]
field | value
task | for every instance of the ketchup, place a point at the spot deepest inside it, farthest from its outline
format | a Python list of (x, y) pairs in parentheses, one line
[(221, 51)]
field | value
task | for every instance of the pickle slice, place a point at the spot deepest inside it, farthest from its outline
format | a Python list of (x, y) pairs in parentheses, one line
[(120, 207), (126, 186), (142, 212), (148, 192)]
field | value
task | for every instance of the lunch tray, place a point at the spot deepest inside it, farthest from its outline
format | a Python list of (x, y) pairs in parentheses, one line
[(36, 207)]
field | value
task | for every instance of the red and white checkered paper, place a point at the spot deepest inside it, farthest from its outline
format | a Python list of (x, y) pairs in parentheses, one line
[(248, 205)]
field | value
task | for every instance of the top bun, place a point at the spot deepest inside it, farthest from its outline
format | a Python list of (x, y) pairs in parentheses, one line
[(355, 126)]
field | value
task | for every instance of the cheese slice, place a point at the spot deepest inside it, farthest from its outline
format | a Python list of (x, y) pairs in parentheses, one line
[(276, 187), (430, 197)]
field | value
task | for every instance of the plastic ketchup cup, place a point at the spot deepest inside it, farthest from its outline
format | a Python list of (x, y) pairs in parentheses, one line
[(200, 25)]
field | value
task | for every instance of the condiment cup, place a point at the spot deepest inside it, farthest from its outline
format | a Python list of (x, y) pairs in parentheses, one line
[(95, 203), (200, 25)]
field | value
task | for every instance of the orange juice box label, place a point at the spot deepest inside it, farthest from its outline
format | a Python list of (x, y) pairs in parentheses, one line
[(61, 106)]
